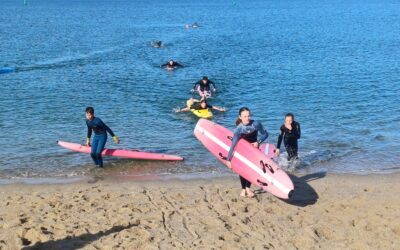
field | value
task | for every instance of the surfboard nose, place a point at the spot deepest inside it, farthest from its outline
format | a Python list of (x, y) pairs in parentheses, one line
[(290, 193)]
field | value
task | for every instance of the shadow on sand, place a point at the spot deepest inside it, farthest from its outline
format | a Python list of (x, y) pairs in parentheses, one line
[(304, 194), (79, 241)]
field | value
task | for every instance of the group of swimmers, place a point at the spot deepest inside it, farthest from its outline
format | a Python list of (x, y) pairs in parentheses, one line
[(250, 130)]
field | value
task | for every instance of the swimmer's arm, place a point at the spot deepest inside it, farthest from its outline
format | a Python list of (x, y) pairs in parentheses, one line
[(218, 108), (214, 86), (178, 64), (195, 84), (235, 139), (183, 110), (263, 132), (280, 137)]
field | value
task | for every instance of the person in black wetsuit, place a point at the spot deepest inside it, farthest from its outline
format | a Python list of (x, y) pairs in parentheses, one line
[(290, 132), (203, 87), (171, 64), (100, 136), (157, 44)]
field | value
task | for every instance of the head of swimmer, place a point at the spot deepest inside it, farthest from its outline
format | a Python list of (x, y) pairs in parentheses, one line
[(171, 62), (244, 116), (205, 79), (289, 118), (203, 103), (89, 113)]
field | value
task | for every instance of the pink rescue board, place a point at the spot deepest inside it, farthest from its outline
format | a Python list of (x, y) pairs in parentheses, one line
[(247, 161), (122, 153)]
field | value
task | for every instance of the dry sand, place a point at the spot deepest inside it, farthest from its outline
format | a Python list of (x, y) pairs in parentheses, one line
[(326, 212)]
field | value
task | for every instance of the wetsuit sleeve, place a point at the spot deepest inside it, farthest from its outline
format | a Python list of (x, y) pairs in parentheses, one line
[(89, 130), (262, 132), (178, 64), (281, 132), (213, 84), (236, 137), (195, 84), (297, 130), (164, 65), (107, 128)]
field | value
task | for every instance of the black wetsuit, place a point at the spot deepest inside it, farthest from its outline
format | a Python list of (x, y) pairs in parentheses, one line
[(204, 86), (173, 65), (290, 138)]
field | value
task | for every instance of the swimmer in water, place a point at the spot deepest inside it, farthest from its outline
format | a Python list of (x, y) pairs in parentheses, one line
[(199, 105), (157, 44), (171, 64), (203, 87)]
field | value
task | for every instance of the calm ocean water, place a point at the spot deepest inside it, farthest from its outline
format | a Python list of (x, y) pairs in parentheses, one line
[(334, 64)]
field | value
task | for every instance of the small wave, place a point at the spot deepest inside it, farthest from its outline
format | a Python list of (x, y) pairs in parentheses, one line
[(70, 60)]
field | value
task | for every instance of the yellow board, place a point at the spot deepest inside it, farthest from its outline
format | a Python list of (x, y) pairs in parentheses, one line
[(202, 113)]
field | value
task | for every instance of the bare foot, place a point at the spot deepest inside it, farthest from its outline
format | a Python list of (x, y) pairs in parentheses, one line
[(243, 193), (250, 193)]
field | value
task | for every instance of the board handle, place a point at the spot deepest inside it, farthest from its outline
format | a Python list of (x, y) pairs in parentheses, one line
[(266, 165), (262, 183), (222, 156)]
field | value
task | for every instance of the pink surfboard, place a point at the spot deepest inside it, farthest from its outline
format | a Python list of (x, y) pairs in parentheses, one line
[(123, 153), (247, 161)]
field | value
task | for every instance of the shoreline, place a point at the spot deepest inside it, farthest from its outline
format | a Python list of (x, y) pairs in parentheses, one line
[(161, 177), (326, 211)]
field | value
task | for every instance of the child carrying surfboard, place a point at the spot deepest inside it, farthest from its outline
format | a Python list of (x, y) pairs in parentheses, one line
[(248, 130)]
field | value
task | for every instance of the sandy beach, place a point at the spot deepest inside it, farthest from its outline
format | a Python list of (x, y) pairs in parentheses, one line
[(326, 212)]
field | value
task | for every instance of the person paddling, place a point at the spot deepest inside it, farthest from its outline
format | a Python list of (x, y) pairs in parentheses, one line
[(199, 105), (171, 64)]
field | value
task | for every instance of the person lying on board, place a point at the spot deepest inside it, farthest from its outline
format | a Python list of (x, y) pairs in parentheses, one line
[(290, 132), (203, 87), (200, 105), (100, 130), (171, 64), (248, 130), (157, 44)]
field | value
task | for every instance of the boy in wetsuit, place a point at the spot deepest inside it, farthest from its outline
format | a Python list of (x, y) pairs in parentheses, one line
[(100, 130), (290, 132), (203, 87)]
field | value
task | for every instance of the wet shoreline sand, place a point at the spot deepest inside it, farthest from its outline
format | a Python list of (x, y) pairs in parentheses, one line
[(326, 211)]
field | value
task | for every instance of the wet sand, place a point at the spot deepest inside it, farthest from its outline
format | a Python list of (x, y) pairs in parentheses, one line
[(328, 212)]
